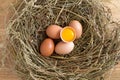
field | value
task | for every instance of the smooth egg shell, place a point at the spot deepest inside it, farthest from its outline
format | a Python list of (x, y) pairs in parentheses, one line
[(77, 26), (53, 31), (64, 48), (47, 47)]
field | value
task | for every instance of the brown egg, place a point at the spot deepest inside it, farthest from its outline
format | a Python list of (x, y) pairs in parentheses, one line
[(63, 48), (77, 26), (47, 47), (53, 31)]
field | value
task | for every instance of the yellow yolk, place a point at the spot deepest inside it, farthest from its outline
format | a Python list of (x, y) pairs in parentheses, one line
[(68, 34)]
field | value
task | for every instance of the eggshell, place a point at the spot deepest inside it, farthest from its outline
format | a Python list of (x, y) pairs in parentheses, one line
[(77, 26), (53, 31), (68, 34), (47, 47), (64, 48)]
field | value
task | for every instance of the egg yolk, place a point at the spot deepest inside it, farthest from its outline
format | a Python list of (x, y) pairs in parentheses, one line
[(68, 35)]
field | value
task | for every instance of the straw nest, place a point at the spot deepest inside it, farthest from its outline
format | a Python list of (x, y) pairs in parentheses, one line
[(95, 52)]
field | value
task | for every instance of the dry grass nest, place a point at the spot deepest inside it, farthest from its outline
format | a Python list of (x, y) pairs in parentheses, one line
[(95, 52)]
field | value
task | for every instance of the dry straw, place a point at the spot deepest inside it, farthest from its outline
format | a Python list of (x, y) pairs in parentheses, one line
[(95, 52)]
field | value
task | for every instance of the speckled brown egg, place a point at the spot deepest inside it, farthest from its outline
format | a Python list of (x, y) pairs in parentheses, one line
[(77, 26), (53, 31), (47, 47), (63, 48)]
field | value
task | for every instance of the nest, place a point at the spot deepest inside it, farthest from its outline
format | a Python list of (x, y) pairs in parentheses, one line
[(95, 52)]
